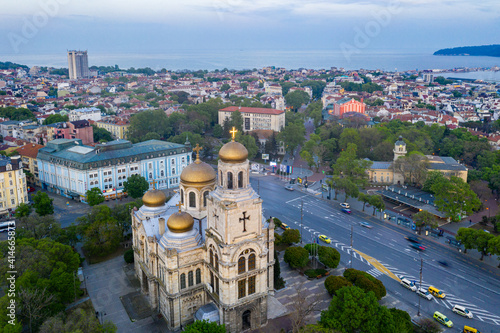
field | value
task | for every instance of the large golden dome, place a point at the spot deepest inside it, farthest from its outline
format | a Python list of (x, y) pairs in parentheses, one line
[(198, 172), (233, 152), (154, 198), (180, 222)]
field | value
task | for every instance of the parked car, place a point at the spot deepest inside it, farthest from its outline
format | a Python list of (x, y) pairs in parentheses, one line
[(289, 187), (458, 309), (412, 239), (345, 205), (408, 284), (346, 210), (325, 239), (424, 293), (442, 319), (366, 225)]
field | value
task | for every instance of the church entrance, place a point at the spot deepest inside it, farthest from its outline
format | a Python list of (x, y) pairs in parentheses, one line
[(246, 320), (145, 284)]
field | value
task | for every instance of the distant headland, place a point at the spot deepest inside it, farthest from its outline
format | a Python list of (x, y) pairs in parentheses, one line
[(483, 50)]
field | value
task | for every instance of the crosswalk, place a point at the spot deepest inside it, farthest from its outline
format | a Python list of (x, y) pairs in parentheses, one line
[(448, 302)]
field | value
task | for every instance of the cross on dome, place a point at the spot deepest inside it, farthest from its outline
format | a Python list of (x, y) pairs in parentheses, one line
[(197, 150), (179, 206), (233, 132)]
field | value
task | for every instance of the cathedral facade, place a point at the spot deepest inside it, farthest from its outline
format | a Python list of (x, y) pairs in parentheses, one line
[(208, 247)]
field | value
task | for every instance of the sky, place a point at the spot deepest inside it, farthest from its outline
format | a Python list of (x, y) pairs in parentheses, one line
[(156, 26)]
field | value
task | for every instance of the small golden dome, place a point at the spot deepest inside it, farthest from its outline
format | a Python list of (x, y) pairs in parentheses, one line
[(233, 152), (198, 172), (180, 222), (154, 198)]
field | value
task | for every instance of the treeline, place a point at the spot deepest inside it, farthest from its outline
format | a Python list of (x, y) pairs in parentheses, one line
[(483, 50), (11, 65), (16, 113)]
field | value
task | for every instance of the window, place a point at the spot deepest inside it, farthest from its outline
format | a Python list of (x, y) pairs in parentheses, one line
[(216, 263), (172, 161), (10, 182), (251, 285), (182, 194), (162, 173), (183, 281), (12, 201), (150, 175), (251, 262), (240, 179), (241, 288), (212, 279), (221, 182), (183, 160), (173, 171), (11, 192), (211, 257), (190, 279), (192, 199), (205, 196), (241, 265), (198, 276), (229, 180)]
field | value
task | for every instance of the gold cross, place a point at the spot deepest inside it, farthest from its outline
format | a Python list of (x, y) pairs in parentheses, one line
[(233, 132), (154, 182), (179, 205), (197, 150)]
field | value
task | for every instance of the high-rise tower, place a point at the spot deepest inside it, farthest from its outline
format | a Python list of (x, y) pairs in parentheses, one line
[(78, 64)]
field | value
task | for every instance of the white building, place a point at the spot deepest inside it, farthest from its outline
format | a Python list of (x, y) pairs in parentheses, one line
[(256, 118), (70, 169), (85, 114)]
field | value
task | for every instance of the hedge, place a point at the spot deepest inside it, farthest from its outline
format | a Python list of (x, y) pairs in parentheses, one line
[(334, 283)]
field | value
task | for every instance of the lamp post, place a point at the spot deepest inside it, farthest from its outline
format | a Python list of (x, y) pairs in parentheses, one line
[(420, 286)]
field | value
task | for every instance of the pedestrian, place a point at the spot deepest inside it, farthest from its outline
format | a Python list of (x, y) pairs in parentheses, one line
[(470, 221)]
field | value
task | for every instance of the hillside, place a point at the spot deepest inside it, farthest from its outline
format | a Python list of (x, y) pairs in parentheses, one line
[(483, 50)]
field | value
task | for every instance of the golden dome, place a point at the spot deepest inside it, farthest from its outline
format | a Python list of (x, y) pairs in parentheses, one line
[(154, 198), (198, 172), (233, 152), (180, 222)]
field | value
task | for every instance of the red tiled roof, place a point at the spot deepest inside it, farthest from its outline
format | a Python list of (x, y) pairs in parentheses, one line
[(29, 150), (252, 110)]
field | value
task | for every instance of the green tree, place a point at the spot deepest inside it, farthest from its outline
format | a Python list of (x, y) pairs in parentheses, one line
[(94, 196), (290, 236), (454, 197), (249, 142), (494, 247), (225, 87), (296, 98), (101, 134), (278, 280), (100, 232), (329, 256), (293, 135), (401, 320), (236, 120), (352, 310), (350, 189), (55, 118), (377, 203), (296, 256), (218, 131), (364, 198), (43, 204), (135, 186), (433, 177), (466, 236), (424, 218), (148, 121), (348, 166), (204, 326), (366, 282), (482, 239), (23, 210), (38, 227), (335, 283)]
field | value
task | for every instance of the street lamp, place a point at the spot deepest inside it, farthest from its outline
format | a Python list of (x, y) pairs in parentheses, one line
[(420, 286)]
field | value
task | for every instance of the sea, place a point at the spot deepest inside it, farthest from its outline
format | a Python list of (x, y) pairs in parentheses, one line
[(248, 59)]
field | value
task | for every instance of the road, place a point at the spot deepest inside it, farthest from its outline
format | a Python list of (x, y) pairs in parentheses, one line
[(384, 253)]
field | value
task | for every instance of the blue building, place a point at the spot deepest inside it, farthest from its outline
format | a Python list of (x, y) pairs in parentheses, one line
[(69, 168)]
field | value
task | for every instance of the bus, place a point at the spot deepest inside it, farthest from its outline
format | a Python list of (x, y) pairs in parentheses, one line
[(4, 226)]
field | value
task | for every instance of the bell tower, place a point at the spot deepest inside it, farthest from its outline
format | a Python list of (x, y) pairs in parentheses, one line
[(240, 243), (399, 148)]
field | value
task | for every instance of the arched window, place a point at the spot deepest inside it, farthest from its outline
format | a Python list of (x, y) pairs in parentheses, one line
[(221, 178), (251, 261), (162, 173), (212, 279), (183, 281), (182, 197), (192, 199), (198, 276), (205, 196), (211, 257), (251, 285), (216, 263), (241, 265), (190, 278), (230, 180), (240, 179), (241, 288)]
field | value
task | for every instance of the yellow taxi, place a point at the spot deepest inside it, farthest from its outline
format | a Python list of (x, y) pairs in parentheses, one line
[(325, 239)]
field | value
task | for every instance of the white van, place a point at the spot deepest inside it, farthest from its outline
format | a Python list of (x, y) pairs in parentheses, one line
[(424, 293), (458, 309), (408, 284)]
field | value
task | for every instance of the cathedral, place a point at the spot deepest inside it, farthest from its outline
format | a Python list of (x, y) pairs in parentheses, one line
[(208, 252)]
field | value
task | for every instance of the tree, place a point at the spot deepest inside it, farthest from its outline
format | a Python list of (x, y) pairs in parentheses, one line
[(352, 310), (296, 98), (335, 283), (401, 320), (43, 204), (413, 167), (303, 305), (424, 218), (236, 120), (23, 210), (347, 166), (364, 198), (482, 239), (377, 203), (148, 121), (135, 186), (34, 303), (466, 237), (290, 236), (429, 326), (329, 256), (349, 187), (278, 280), (293, 135), (225, 87), (204, 326), (366, 282), (218, 132), (38, 227), (433, 177), (455, 198), (296, 257), (100, 232), (101, 134), (250, 144), (94, 196), (494, 247)]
